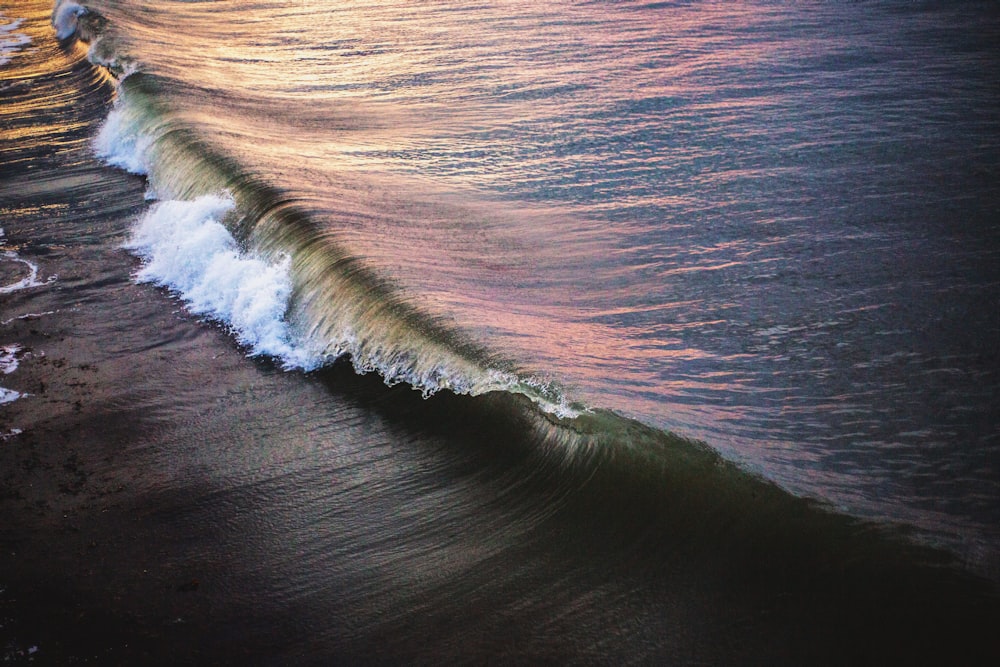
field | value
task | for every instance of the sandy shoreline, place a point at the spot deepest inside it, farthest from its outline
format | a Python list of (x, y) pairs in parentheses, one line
[(68, 490), (80, 578), (98, 561)]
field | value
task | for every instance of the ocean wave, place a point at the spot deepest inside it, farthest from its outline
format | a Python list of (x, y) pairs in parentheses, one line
[(238, 250), (65, 18), (318, 301)]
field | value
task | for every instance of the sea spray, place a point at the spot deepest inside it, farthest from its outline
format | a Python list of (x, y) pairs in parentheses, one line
[(121, 144), (65, 17), (188, 250)]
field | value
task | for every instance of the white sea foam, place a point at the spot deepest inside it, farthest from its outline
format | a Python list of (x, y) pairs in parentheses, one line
[(8, 364), (30, 280), (11, 41), (8, 358), (9, 395), (121, 144), (187, 249), (64, 18), (27, 316)]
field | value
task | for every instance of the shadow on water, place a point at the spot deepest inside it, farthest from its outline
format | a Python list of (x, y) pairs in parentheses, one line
[(649, 524)]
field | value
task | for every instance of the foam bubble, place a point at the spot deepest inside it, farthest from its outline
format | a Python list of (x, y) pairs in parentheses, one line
[(187, 249)]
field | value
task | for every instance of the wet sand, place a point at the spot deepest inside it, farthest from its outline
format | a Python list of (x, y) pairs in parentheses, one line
[(74, 557), (82, 574)]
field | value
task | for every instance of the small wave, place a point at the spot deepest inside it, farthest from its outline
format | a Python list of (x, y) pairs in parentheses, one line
[(65, 18)]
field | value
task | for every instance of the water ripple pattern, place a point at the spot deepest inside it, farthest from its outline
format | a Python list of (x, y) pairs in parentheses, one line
[(770, 227)]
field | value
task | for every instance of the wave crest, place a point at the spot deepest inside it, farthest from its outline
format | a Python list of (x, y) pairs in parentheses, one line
[(331, 304), (65, 18), (187, 249)]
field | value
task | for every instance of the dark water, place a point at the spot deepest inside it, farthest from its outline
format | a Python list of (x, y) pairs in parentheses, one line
[(771, 228)]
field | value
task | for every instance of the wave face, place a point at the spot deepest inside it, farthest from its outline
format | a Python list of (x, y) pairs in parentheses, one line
[(703, 237), (310, 302)]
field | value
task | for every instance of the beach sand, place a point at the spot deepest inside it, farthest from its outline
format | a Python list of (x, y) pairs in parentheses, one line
[(86, 570)]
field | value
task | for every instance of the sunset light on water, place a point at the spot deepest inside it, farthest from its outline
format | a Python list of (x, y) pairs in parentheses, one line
[(593, 332)]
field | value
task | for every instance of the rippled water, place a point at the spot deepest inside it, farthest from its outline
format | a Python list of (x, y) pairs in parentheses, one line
[(769, 226)]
